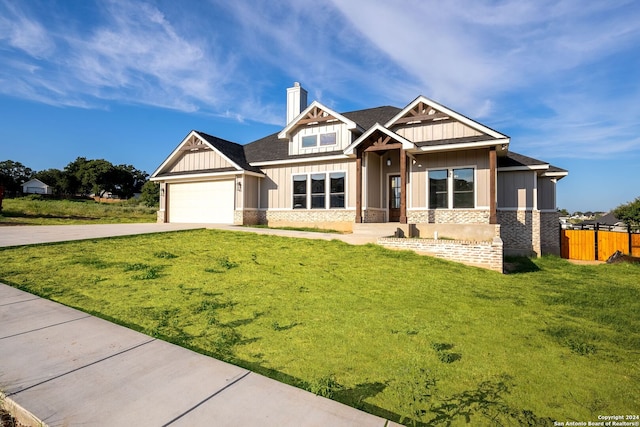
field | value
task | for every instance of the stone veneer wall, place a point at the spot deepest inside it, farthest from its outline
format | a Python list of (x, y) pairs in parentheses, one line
[(488, 254), (520, 232), (338, 219), (550, 232), (246, 217), (448, 216)]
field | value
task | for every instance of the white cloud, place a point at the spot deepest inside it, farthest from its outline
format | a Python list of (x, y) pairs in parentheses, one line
[(500, 61), (23, 33), (490, 60)]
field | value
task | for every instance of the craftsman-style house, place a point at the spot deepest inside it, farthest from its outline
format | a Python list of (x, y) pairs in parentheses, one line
[(423, 164)]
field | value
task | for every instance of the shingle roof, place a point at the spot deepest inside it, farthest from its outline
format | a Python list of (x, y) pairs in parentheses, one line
[(518, 160), (270, 148), (370, 116), (235, 152)]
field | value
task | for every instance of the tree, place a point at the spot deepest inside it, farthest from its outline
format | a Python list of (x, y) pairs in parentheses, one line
[(563, 212), (128, 180), (629, 213), (71, 182), (150, 193), (13, 175)]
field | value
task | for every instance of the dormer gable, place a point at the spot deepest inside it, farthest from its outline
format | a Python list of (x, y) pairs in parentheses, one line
[(316, 114)]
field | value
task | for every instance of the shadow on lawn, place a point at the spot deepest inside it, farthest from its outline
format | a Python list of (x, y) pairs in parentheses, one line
[(521, 264), (16, 214)]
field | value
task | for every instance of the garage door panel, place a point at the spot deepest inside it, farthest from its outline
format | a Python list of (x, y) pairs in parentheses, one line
[(202, 202)]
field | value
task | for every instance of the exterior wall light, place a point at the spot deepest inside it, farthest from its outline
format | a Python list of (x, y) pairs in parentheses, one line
[(388, 162), (239, 186)]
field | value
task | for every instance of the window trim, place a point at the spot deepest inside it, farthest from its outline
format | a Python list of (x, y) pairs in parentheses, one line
[(327, 190), (335, 139), (318, 140), (450, 186), (315, 141)]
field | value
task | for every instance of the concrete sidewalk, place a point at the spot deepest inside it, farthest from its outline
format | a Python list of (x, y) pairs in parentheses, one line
[(69, 368)]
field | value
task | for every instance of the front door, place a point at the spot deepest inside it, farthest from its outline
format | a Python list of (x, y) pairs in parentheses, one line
[(395, 189)]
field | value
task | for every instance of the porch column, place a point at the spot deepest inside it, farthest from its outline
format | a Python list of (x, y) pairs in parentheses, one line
[(493, 196), (358, 186), (403, 186)]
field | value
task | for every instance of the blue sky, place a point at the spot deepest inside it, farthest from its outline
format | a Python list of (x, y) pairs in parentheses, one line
[(126, 81)]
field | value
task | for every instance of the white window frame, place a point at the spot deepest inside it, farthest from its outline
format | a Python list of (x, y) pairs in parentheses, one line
[(450, 187), (335, 139), (306, 147), (318, 138), (327, 193)]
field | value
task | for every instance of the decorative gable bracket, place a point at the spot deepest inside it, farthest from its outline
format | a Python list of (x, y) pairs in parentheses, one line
[(422, 112), (379, 138), (314, 114)]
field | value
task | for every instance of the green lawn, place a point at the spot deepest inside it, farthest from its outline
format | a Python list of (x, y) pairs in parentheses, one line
[(36, 211), (392, 333)]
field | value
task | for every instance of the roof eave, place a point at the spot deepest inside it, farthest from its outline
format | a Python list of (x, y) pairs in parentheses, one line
[(500, 144), (461, 118)]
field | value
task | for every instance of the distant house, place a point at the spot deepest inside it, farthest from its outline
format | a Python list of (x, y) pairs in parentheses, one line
[(35, 186), (422, 164), (607, 221)]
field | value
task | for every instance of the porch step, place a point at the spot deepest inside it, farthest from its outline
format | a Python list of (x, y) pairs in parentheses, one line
[(383, 229)]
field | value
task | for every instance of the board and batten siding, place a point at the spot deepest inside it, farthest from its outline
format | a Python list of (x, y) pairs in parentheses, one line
[(199, 160), (276, 188), (546, 193), (373, 183), (343, 138), (516, 190), (478, 159), (435, 131), (250, 190)]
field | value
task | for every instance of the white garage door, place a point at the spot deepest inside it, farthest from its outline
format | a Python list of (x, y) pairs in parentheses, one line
[(202, 202)]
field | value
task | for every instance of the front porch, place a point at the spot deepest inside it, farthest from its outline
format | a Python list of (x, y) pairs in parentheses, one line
[(393, 175)]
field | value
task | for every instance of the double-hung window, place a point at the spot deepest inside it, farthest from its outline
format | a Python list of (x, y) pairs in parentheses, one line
[(318, 192), (324, 190), (300, 192), (451, 188)]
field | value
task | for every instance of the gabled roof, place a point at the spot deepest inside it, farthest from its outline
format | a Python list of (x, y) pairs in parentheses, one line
[(233, 151), (230, 151), (35, 180), (271, 148), (316, 113), (607, 219), (423, 108), (406, 144)]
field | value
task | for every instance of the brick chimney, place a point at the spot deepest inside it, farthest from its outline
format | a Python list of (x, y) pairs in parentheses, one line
[(296, 101)]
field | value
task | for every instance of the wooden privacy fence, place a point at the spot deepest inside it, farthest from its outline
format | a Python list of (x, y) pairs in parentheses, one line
[(592, 245)]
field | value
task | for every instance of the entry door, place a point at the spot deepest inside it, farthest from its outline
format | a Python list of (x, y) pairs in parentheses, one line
[(395, 189)]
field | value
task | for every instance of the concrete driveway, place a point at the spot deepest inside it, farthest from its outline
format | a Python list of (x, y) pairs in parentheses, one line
[(34, 234), (69, 368)]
